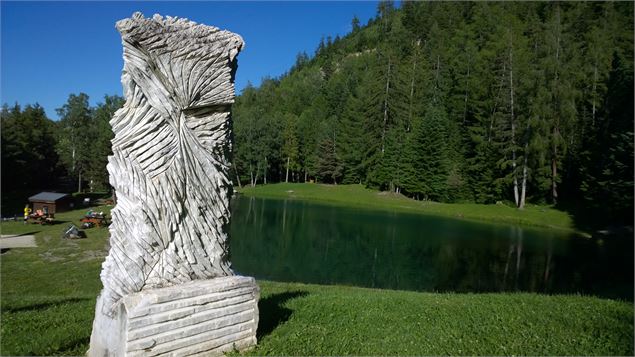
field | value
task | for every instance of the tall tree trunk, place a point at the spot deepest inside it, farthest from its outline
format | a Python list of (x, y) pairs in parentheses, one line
[(79, 182), (513, 124), (495, 107), (556, 131), (436, 75), (237, 177), (257, 174), (412, 85), (523, 189), (521, 204), (251, 175), (467, 86), (264, 176), (73, 157), (595, 79), (554, 170), (287, 175), (383, 131)]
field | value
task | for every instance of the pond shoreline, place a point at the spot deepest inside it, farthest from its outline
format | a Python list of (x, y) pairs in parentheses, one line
[(360, 197)]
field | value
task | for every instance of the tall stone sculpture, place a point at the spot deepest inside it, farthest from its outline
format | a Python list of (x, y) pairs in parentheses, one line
[(168, 283)]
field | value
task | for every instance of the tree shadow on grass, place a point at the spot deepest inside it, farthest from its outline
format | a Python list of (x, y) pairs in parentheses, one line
[(42, 306), (272, 313)]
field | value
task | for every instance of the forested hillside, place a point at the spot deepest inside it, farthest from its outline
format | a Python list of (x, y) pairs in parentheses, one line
[(38, 153), (457, 101)]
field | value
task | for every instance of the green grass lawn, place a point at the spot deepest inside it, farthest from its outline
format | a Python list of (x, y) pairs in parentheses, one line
[(48, 298), (336, 320), (48, 293), (359, 196)]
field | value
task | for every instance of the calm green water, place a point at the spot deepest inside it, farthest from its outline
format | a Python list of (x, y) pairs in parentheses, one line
[(298, 241)]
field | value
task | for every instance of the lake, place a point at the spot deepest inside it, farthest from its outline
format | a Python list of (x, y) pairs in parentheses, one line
[(300, 241)]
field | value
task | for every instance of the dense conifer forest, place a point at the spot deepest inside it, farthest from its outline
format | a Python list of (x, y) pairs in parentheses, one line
[(70, 154), (513, 102), (456, 101)]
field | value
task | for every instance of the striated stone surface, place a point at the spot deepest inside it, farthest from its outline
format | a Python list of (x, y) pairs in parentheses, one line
[(169, 169), (206, 317), (169, 165)]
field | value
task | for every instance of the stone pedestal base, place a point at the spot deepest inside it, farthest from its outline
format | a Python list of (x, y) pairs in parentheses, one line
[(206, 317)]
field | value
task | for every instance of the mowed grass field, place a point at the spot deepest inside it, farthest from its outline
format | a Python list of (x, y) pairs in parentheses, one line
[(48, 296), (359, 196)]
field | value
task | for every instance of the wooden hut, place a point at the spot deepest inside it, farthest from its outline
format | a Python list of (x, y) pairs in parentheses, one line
[(54, 202)]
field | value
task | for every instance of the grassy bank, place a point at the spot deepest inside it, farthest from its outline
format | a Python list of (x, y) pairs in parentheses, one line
[(48, 297), (359, 196)]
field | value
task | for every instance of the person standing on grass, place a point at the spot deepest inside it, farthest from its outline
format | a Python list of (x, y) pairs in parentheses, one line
[(27, 212)]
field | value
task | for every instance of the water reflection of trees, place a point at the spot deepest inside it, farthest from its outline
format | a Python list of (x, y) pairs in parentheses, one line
[(299, 241)]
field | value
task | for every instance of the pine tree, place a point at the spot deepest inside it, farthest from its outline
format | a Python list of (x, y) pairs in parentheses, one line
[(74, 139), (559, 105), (428, 155), (329, 167), (355, 24), (29, 160), (290, 149), (101, 148), (351, 141)]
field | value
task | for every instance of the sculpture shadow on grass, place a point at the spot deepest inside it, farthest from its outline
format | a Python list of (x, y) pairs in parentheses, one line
[(273, 313)]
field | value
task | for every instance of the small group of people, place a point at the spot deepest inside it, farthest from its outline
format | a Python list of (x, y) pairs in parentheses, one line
[(93, 214), (44, 213)]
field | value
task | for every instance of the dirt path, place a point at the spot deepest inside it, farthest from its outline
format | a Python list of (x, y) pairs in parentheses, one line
[(17, 241)]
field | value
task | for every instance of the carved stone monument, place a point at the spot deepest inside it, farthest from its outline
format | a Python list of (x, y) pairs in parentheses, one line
[(168, 283)]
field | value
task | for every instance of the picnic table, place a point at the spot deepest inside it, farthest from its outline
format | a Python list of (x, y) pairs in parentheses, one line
[(92, 219), (42, 218)]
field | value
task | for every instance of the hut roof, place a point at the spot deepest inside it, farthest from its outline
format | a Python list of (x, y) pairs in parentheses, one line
[(47, 196)]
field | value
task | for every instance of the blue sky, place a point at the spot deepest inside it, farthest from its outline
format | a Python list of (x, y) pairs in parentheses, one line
[(52, 49)]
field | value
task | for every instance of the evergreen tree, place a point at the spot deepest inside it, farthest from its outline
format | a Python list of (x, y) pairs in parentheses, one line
[(29, 160), (290, 150), (74, 139), (101, 147), (351, 141), (329, 167), (355, 24), (558, 105), (428, 155)]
